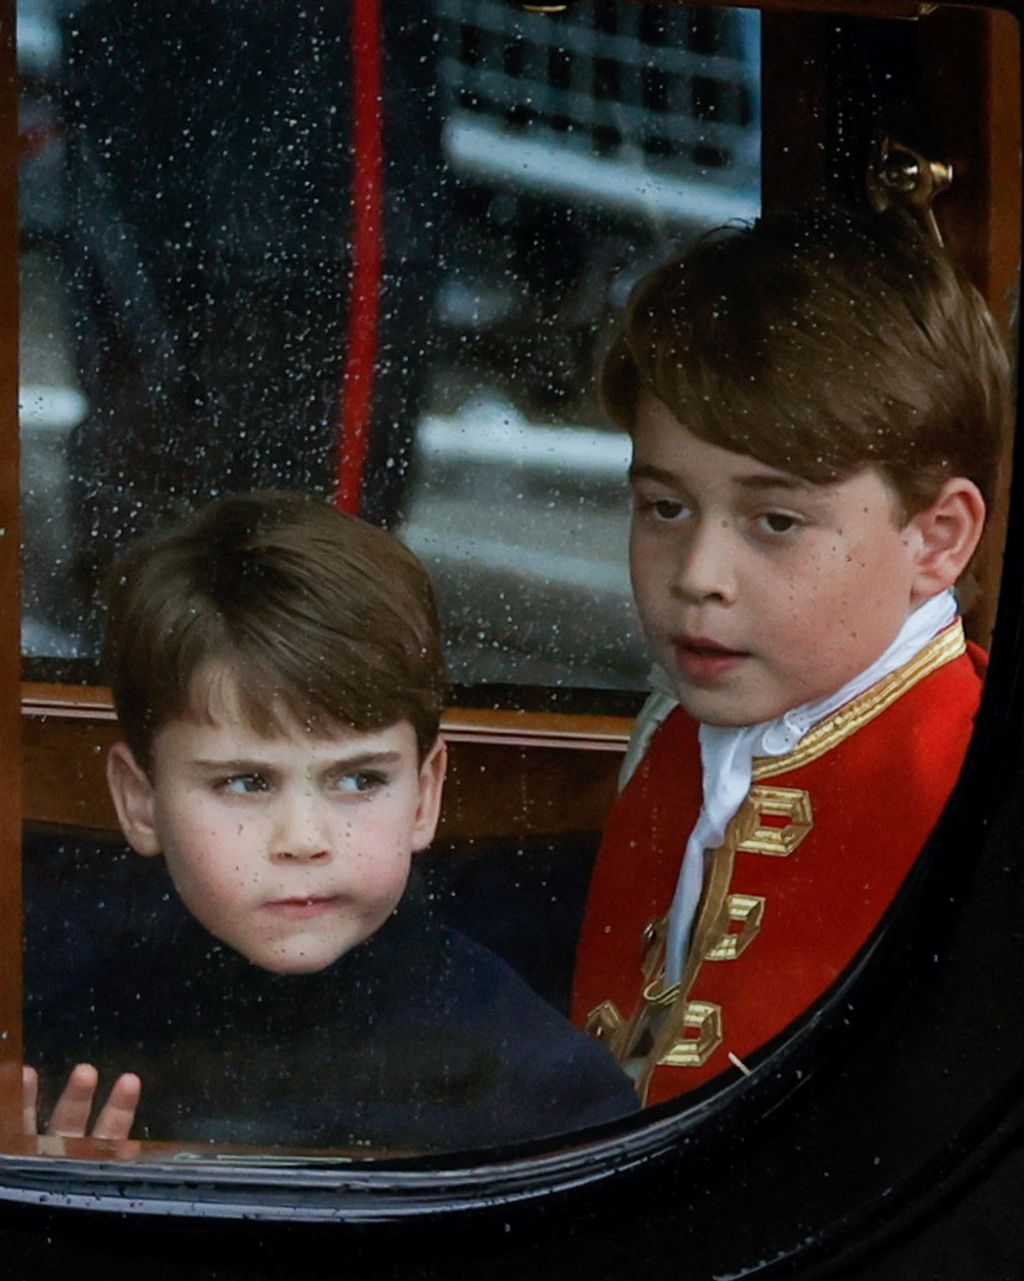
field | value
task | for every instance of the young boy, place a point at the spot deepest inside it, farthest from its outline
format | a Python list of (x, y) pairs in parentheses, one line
[(278, 679), (816, 406)]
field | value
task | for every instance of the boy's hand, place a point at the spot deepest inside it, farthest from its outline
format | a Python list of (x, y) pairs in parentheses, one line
[(71, 1112)]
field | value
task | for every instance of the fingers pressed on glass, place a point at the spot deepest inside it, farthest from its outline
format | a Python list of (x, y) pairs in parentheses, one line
[(117, 1116), (29, 1100), (70, 1116)]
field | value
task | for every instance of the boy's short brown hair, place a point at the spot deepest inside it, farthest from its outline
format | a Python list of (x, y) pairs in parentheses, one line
[(315, 616), (821, 341)]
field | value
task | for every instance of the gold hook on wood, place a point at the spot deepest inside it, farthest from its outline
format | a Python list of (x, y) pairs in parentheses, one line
[(901, 176)]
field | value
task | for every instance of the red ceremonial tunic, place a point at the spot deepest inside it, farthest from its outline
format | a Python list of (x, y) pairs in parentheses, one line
[(809, 865)]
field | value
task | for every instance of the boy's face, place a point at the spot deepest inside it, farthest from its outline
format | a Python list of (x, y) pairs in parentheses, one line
[(757, 590), (291, 850)]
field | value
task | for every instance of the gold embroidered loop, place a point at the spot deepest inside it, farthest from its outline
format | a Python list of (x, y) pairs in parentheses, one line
[(652, 942), (656, 993), (694, 1051), (777, 802), (603, 1021), (653, 930), (747, 910)]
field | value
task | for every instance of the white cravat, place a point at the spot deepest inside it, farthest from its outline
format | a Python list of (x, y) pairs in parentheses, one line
[(727, 755)]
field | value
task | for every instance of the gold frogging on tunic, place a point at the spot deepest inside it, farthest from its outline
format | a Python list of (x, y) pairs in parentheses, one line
[(777, 802), (747, 910), (603, 1022), (660, 1030), (694, 1051)]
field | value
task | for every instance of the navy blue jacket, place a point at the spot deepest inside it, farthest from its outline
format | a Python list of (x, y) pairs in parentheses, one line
[(417, 1040)]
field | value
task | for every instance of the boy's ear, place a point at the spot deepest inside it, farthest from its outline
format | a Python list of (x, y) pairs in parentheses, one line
[(428, 811), (132, 794), (948, 533)]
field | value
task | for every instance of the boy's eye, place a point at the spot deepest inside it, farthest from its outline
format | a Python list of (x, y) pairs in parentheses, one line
[(779, 522), (244, 785), (360, 782), (662, 509)]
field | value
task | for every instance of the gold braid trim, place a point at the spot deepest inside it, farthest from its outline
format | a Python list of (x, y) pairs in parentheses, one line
[(949, 644), (711, 923)]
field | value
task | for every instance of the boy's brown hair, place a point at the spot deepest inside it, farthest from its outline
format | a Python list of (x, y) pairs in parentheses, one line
[(821, 341), (315, 617)]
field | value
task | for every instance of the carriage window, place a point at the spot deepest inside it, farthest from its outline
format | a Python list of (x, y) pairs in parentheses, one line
[(204, 308), (378, 259)]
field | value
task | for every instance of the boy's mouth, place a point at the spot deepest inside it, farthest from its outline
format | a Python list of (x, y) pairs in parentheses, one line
[(701, 660), (301, 909)]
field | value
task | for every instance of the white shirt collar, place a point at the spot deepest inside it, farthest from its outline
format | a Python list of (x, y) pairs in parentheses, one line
[(727, 755)]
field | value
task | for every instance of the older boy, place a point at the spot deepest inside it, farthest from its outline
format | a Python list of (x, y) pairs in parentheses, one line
[(816, 405), (278, 679)]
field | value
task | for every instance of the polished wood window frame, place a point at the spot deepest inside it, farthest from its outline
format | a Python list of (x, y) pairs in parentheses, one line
[(970, 99), (527, 772), (539, 775), (10, 589)]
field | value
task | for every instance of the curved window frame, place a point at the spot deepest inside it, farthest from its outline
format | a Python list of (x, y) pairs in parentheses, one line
[(953, 931)]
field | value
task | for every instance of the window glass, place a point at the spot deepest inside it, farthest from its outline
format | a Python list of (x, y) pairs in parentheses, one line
[(196, 264), (303, 248), (332, 250)]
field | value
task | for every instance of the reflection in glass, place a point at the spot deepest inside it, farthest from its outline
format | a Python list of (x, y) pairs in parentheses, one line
[(186, 263), (817, 406), (186, 331)]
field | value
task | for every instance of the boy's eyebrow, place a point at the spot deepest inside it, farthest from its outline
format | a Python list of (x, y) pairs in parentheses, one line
[(359, 760), (366, 758), (236, 766), (761, 480), (769, 481), (648, 471)]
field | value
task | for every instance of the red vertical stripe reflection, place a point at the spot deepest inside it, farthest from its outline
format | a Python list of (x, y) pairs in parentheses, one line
[(367, 252)]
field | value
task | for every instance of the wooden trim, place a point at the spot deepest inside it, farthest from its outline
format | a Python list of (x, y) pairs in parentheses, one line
[(970, 94), (531, 773), (960, 69), (537, 729), (973, 97), (10, 589), (1004, 142), (509, 728), (67, 702), (968, 88)]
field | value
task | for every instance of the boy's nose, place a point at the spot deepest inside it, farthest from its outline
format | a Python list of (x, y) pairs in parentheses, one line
[(705, 570), (303, 854), (300, 835)]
